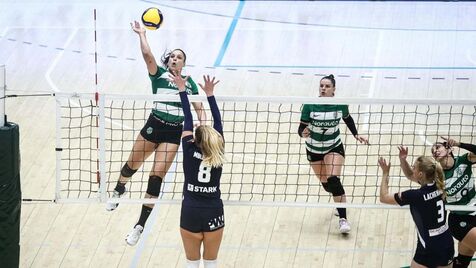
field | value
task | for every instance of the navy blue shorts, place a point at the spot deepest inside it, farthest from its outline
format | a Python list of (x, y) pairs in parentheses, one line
[(440, 254), (460, 225), (159, 131), (197, 220)]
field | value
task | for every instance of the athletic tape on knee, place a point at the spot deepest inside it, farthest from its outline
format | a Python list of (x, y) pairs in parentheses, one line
[(153, 186), (127, 172), (335, 186)]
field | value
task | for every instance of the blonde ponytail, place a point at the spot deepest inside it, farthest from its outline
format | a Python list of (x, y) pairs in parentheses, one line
[(212, 145), (440, 179), (433, 172)]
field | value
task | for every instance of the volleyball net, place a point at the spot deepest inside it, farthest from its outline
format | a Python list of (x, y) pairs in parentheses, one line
[(266, 158)]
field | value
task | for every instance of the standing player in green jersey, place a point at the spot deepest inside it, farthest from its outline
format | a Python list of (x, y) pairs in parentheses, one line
[(460, 190), (325, 151), (161, 134)]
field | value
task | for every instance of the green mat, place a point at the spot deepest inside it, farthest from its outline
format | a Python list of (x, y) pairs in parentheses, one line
[(10, 196)]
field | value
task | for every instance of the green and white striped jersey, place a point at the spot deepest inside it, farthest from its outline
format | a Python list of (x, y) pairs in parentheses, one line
[(169, 111), (459, 184), (324, 126)]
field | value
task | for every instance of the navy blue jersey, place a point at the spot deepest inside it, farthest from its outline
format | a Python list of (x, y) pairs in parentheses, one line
[(201, 187), (202, 183), (428, 212)]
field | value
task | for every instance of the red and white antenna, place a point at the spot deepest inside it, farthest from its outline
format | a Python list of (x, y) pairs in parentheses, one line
[(96, 97)]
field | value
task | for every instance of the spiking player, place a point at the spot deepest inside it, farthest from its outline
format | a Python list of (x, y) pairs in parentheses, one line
[(325, 151), (161, 133), (202, 219)]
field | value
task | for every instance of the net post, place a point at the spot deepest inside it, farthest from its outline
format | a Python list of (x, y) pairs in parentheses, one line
[(3, 116), (58, 148), (102, 149)]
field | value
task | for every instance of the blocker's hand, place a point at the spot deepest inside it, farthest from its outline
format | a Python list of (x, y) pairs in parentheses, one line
[(383, 165), (402, 152), (178, 80), (209, 85)]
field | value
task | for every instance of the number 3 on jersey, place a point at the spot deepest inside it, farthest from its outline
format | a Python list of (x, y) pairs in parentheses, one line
[(441, 211), (204, 173)]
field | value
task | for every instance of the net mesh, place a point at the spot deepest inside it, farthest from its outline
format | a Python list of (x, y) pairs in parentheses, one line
[(266, 159), (78, 133)]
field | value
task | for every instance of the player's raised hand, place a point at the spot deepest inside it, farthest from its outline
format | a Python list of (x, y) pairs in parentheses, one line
[(383, 165), (179, 81), (137, 28), (450, 142), (209, 85), (402, 152)]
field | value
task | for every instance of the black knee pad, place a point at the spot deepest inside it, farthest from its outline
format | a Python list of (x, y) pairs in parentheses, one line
[(127, 172), (153, 186), (325, 185), (335, 186)]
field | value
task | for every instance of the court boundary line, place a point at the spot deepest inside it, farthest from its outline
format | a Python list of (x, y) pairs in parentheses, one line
[(231, 67), (229, 34)]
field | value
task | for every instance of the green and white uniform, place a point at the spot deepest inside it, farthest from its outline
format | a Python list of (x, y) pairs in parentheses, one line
[(459, 184), (324, 126), (169, 111)]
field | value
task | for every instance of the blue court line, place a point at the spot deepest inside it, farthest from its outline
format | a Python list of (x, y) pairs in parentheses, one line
[(353, 67), (231, 29)]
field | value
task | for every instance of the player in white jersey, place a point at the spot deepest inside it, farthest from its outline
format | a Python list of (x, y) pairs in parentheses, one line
[(162, 131), (324, 148), (435, 246)]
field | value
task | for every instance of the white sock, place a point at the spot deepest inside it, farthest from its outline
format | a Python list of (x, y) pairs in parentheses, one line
[(192, 264), (210, 263)]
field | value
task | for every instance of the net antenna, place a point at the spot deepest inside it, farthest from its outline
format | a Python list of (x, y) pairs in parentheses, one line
[(99, 121), (96, 95)]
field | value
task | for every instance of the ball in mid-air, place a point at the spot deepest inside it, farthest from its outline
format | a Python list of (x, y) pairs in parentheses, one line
[(152, 18)]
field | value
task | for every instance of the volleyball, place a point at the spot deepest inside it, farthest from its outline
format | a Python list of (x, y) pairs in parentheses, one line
[(152, 18)]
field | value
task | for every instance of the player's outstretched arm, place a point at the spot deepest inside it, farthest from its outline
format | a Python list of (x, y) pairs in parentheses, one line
[(467, 146), (188, 119), (404, 165), (385, 197), (208, 87), (145, 48)]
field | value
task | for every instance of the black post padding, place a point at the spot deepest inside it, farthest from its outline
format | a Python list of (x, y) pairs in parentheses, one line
[(10, 195)]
